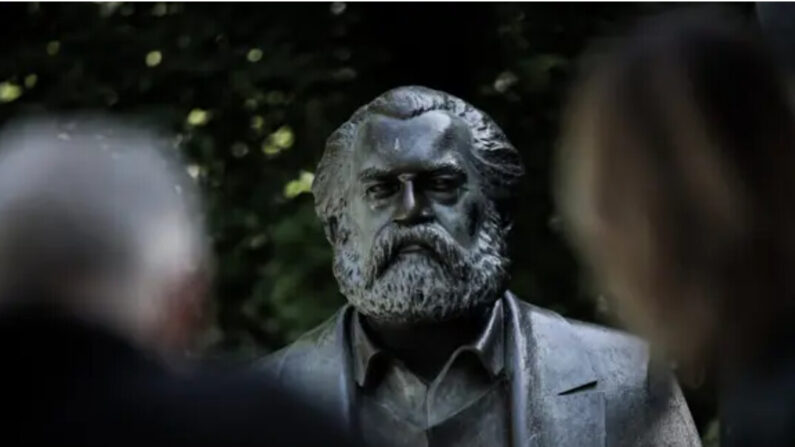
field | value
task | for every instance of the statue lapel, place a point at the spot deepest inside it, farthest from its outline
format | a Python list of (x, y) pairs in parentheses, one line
[(346, 384), (555, 397)]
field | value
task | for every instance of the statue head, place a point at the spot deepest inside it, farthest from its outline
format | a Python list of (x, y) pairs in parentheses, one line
[(414, 192)]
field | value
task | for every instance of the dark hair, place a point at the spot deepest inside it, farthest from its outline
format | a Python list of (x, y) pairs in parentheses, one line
[(496, 160), (677, 169)]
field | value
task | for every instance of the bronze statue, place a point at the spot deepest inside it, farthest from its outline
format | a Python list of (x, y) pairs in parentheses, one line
[(415, 195)]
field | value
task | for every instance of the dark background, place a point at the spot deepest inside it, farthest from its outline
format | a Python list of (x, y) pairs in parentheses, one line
[(253, 90)]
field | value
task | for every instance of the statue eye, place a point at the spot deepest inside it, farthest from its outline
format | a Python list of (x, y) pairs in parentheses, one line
[(444, 183), (381, 190)]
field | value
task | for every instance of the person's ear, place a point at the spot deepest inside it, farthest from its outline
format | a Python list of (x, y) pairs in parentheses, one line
[(185, 312)]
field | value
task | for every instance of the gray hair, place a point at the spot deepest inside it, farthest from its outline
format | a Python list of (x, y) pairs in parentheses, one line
[(89, 197), (496, 160)]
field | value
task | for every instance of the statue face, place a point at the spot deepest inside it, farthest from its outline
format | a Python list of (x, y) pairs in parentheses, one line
[(425, 243)]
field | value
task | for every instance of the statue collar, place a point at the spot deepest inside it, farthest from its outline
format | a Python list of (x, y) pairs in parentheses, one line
[(552, 377), (489, 347)]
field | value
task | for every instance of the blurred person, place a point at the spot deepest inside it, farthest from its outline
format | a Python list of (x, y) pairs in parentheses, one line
[(104, 263), (777, 24), (675, 178)]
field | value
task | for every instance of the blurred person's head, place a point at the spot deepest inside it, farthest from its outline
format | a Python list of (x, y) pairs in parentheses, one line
[(676, 180), (98, 219), (414, 194)]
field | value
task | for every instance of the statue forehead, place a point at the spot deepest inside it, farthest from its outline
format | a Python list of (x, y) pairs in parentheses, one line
[(385, 140)]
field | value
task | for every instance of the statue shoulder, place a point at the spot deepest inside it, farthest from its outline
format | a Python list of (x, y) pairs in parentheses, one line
[(310, 367), (634, 385), (617, 355), (621, 356), (315, 345), (644, 405), (638, 386)]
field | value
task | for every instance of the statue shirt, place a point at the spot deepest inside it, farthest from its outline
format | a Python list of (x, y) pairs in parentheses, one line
[(466, 405)]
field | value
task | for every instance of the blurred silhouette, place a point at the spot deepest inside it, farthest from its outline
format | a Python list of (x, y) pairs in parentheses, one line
[(676, 180), (777, 22), (103, 268)]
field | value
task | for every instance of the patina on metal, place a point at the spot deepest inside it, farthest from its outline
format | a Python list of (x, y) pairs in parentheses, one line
[(415, 194)]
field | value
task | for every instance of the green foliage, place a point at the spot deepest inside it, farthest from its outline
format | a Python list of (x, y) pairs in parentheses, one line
[(252, 91)]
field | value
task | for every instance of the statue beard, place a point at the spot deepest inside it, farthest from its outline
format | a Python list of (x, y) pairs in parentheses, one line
[(439, 283)]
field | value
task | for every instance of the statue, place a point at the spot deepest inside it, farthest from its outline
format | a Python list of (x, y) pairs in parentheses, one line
[(415, 194)]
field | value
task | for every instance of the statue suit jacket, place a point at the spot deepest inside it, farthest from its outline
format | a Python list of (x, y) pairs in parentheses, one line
[(572, 384)]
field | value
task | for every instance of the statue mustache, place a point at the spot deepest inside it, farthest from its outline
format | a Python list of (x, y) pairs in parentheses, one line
[(436, 242)]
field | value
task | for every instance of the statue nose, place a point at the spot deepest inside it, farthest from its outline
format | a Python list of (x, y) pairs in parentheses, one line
[(411, 209)]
